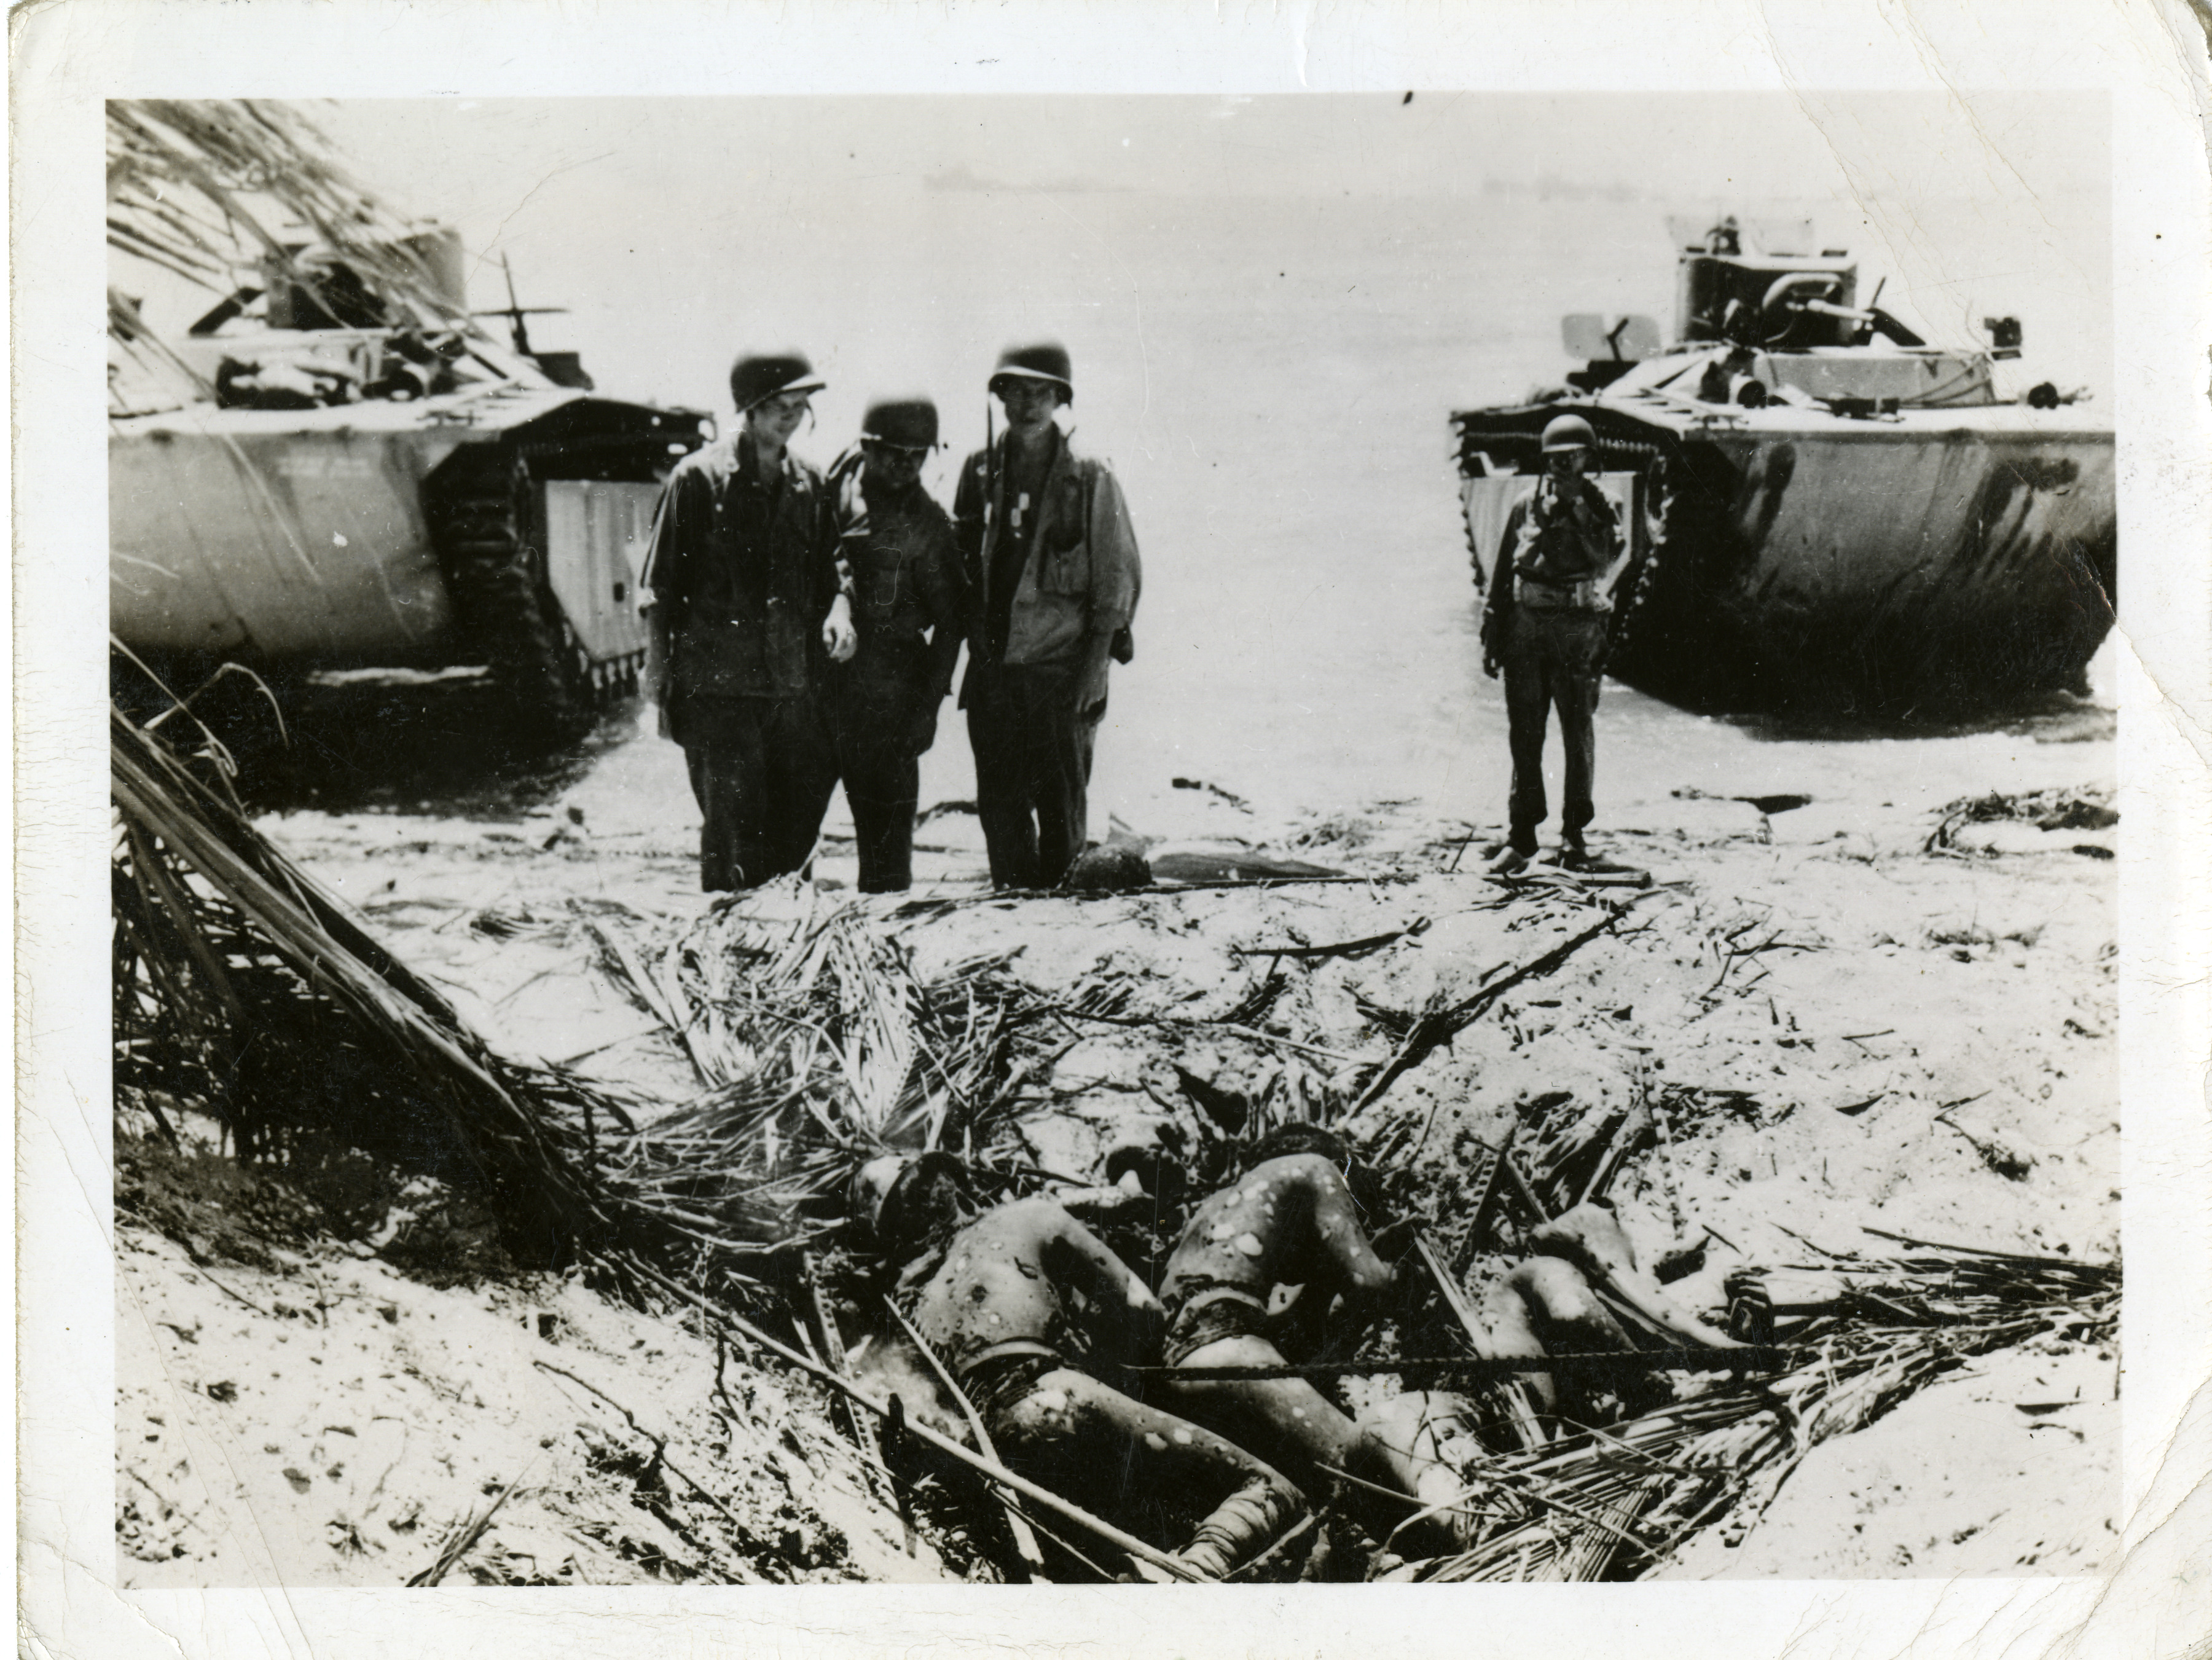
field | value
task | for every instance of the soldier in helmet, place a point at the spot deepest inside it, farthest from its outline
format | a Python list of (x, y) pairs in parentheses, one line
[(1052, 576), (1014, 1301), (1545, 625), (906, 573), (748, 607)]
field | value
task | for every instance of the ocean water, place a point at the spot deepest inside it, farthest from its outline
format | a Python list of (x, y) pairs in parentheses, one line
[(1272, 381), (1270, 369)]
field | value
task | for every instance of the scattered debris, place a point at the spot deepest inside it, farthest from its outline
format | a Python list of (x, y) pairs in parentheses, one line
[(1108, 870), (1214, 790), (2078, 807), (1042, 1040)]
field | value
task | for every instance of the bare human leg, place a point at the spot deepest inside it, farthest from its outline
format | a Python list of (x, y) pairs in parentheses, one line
[(1294, 1423), (1076, 1434)]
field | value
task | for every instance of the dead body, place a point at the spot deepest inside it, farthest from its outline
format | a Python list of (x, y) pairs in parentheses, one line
[(1291, 1221), (1551, 1304), (1013, 1302)]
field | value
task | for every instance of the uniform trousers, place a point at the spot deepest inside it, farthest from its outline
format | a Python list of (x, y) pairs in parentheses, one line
[(873, 727), (1032, 769), (1551, 660), (762, 770)]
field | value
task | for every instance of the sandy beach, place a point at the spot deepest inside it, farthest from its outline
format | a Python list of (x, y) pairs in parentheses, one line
[(1840, 1012), (1839, 1015)]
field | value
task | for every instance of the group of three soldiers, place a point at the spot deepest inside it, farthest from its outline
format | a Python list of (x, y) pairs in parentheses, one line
[(806, 631)]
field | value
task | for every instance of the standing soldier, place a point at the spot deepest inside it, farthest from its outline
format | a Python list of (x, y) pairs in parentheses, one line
[(906, 574), (747, 603), (1053, 577), (1545, 624)]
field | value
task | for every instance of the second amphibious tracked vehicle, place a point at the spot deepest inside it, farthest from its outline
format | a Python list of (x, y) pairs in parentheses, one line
[(1827, 513)]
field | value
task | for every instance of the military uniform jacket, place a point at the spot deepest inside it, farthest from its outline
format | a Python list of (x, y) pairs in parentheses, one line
[(744, 574), (1081, 578), (1554, 543), (905, 573)]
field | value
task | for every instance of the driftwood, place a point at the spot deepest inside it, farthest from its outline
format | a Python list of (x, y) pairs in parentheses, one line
[(1624, 1142), (1305, 1525), (833, 1351), (466, 1542), (936, 906), (1523, 1187), (1354, 948), (1495, 1366), (1437, 1025), (745, 1534), (1228, 1028)]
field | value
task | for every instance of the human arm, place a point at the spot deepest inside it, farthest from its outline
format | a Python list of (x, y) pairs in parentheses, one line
[(663, 582), (1122, 1305), (656, 653), (944, 599), (1117, 579), (1091, 677), (1617, 536), (969, 513), (1498, 601), (839, 637)]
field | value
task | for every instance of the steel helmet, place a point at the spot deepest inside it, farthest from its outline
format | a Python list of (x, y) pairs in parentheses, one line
[(756, 378), (905, 423), (871, 1187), (1567, 432), (1048, 361), (883, 1190)]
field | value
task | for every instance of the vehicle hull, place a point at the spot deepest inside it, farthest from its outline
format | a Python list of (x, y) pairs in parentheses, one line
[(501, 529), (287, 545), (1936, 563)]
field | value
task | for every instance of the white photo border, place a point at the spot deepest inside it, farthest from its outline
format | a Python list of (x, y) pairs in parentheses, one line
[(69, 57)]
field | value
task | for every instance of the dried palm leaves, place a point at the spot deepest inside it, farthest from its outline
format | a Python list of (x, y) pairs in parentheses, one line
[(1616, 1503), (240, 983), (202, 186), (205, 189), (820, 1048)]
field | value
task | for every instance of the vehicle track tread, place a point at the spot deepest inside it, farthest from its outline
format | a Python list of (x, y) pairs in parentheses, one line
[(500, 596)]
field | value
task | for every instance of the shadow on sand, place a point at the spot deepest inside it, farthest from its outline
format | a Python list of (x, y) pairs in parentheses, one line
[(2058, 717), (440, 746)]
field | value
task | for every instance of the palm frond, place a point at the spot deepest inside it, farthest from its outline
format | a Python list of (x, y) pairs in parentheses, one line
[(202, 188), (1618, 1502), (818, 1048)]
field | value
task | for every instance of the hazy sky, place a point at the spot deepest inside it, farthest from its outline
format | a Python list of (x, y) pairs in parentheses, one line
[(1757, 144), (660, 221)]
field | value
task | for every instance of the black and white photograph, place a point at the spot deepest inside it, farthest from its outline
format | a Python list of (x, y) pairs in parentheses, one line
[(1290, 835)]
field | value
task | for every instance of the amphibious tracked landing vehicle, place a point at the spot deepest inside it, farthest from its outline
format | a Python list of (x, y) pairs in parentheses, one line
[(1827, 513), (384, 496), (335, 468)]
